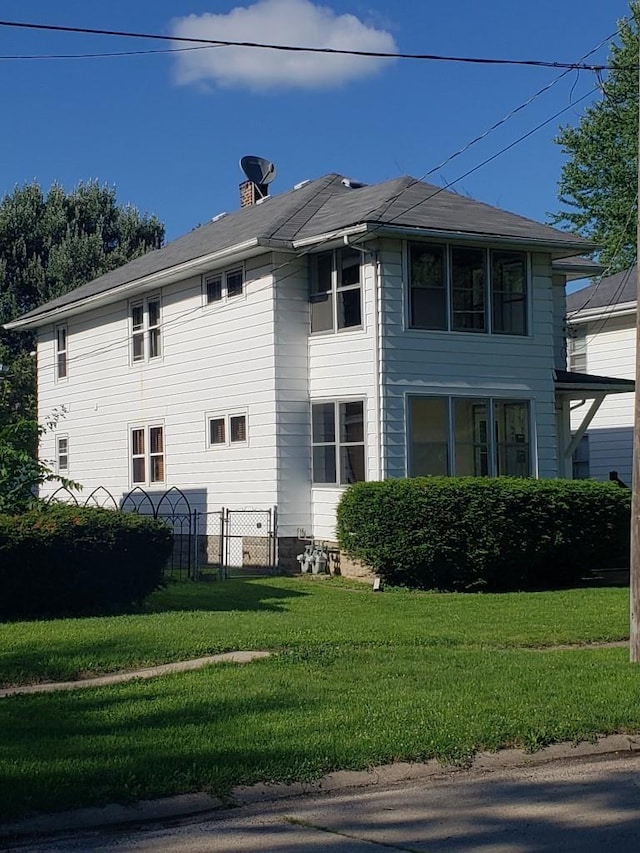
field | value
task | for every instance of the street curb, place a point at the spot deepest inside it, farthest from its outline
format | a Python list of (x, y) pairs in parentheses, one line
[(184, 806)]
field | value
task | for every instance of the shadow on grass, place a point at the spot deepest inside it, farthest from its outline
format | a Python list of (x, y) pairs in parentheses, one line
[(237, 594)]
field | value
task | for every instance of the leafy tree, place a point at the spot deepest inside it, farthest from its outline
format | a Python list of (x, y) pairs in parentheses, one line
[(20, 471), (598, 182), (51, 243)]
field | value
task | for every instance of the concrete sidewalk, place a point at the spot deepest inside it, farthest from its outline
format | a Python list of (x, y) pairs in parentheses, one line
[(135, 674), (397, 807)]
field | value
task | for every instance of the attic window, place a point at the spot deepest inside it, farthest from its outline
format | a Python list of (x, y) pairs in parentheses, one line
[(220, 286)]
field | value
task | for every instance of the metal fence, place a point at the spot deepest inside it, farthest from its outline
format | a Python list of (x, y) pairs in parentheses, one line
[(225, 543)]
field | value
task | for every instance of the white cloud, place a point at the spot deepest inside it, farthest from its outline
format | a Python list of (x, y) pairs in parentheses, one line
[(291, 22)]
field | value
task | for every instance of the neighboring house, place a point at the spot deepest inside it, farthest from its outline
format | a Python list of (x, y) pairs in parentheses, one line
[(334, 333), (601, 331)]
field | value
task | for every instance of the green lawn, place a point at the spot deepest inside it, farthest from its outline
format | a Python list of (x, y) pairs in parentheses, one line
[(359, 679)]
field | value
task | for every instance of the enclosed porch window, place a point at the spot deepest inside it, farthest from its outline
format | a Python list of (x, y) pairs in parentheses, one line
[(468, 437)]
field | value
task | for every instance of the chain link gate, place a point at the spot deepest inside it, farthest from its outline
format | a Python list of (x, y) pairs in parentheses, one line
[(236, 543)]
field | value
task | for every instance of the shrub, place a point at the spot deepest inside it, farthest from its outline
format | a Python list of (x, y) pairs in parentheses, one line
[(61, 560), (493, 534)]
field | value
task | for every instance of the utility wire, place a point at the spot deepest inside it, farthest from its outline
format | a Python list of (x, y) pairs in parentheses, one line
[(517, 109), (536, 63), (23, 56)]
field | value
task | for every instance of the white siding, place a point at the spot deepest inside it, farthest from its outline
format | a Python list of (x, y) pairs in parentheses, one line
[(342, 366), (467, 364), (610, 352), (292, 395), (214, 359)]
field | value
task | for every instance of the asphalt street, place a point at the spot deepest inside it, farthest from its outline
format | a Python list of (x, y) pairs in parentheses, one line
[(573, 805)]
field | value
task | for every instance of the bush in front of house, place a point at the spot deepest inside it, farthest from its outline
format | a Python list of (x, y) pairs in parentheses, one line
[(63, 560), (485, 534)]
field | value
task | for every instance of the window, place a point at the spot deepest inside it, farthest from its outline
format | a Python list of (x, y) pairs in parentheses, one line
[(62, 454), (61, 352), (336, 293), (147, 455), (217, 431), (466, 289), (468, 437), (223, 285), (577, 348), (237, 428), (338, 442), (145, 329), (580, 459), (229, 429)]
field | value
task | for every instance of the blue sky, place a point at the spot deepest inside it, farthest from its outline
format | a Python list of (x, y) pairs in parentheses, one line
[(168, 129)]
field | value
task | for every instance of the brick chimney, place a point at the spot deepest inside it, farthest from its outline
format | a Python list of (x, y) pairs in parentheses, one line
[(248, 194)]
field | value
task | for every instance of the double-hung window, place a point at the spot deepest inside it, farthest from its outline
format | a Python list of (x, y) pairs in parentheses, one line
[(62, 454), (467, 289), (220, 286), (145, 329), (61, 352), (336, 291), (469, 437), (338, 442), (147, 455), (577, 348)]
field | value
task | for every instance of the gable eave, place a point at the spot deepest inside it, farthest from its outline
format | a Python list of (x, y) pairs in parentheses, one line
[(144, 284), (559, 249)]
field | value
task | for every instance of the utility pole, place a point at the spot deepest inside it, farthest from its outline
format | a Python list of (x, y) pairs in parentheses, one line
[(634, 565)]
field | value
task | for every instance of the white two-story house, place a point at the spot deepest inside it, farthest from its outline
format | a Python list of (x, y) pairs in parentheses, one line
[(333, 333), (601, 325)]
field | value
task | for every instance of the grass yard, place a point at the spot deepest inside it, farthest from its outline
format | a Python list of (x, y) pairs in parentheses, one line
[(358, 679)]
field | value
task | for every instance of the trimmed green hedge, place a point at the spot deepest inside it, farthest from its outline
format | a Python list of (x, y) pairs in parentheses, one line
[(64, 560), (479, 533)]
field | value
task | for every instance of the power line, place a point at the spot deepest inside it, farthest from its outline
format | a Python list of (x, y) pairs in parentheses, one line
[(536, 63), (23, 56), (517, 109)]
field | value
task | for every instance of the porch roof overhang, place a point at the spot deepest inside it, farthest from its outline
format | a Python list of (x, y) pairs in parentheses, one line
[(583, 387), (587, 386)]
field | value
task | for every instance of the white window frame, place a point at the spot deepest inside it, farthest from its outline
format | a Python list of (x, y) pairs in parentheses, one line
[(61, 353), (488, 289), (338, 444), (223, 276), (577, 357), (226, 418), (62, 454), (147, 455), (336, 290), (150, 334), (493, 444)]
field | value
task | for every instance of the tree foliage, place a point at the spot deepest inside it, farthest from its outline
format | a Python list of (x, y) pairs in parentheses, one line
[(21, 472), (51, 243), (597, 186)]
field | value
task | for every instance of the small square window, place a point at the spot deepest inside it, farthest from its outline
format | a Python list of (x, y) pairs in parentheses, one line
[(217, 432), (214, 289), (238, 428), (234, 283)]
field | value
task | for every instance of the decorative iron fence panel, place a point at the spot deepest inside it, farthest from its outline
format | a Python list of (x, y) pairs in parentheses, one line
[(228, 542)]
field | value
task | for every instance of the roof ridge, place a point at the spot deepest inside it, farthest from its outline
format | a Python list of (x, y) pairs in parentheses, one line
[(321, 186)]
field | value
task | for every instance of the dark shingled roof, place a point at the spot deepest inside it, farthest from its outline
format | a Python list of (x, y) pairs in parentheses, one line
[(565, 377), (612, 290), (324, 206)]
